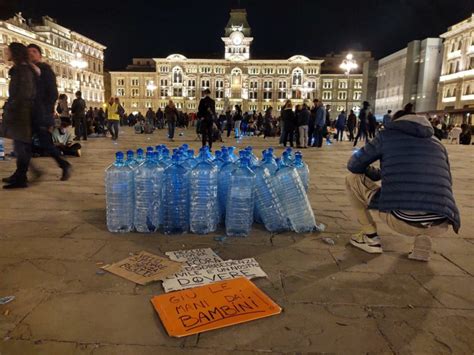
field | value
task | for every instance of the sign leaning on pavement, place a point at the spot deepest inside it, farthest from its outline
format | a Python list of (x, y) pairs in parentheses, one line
[(198, 275), (214, 306), (143, 268)]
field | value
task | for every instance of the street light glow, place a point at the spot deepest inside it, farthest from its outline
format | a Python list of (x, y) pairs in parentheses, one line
[(78, 62), (151, 86)]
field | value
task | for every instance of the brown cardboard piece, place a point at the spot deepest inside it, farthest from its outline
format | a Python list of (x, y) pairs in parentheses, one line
[(144, 268)]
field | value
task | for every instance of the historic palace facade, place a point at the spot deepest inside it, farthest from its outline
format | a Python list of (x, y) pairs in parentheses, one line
[(235, 79), (77, 60), (456, 84)]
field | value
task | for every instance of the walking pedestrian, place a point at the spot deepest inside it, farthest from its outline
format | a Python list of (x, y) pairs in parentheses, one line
[(340, 125), (113, 118), (43, 112), (351, 125), (206, 113), (229, 122), (160, 119), (17, 115), (237, 120), (362, 131), (387, 117), (171, 116), (268, 123), (79, 117)]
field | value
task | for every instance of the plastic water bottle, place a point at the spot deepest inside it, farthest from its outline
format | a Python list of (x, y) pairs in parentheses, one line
[(140, 156), (233, 156), (253, 159), (302, 169), (119, 194), (286, 158), (292, 194), (131, 161), (268, 205), (203, 201), (148, 182), (175, 198), (240, 201), (272, 152), (2, 149), (269, 162)]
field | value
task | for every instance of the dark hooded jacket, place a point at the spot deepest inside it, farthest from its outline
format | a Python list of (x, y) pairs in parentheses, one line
[(414, 169)]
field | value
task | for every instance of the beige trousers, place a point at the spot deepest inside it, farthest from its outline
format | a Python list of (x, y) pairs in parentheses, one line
[(303, 131), (361, 190)]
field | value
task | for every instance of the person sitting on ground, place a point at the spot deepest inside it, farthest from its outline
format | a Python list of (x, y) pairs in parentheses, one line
[(416, 197), (139, 127), (63, 140)]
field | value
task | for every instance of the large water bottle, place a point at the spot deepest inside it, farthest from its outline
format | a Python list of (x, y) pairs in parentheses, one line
[(269, 162), (253, 159), (131, 161), (175, 198), (233, 156), (292, 194), (119, 194), (240, 201), (148, 184), (302, 169), (268, 205), (2, 149), (286, 158), (203, 202), (140, 156)]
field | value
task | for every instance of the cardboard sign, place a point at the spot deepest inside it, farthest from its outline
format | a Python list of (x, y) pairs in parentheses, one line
[(198, 275), (194, 256), (143, 268), (214, 306)]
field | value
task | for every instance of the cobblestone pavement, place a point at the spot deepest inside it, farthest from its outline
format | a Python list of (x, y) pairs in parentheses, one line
[(335, 299)]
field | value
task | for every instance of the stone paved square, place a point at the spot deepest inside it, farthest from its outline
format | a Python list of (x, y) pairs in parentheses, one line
[(336, 299)]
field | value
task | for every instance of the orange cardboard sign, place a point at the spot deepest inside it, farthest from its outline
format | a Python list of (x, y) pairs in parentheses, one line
[(213, 306)]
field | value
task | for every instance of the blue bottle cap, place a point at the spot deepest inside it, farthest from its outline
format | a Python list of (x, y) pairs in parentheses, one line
[(119, 155)]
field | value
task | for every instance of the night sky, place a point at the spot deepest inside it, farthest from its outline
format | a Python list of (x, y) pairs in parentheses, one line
[(157, 28)]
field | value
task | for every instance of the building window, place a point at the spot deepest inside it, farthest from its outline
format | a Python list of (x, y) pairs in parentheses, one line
[(342, 95), (253, 95), (268, 71), (283, 71), (134, 82), (471, 63), (253, 107), (357, 95), (312, 71), (297, 77), (219, 70), (149, 93), (468, 90), (282, 84), (205, 70), (457, 67), (135, 92), (253, 84), (205, 84), (191, 83), (120, 92), (177, 75), (267, 95), (267, 84), (164, 69), (358, 84), (282, 94), (191, 92), (254, 71), (147, 104), (342, 84), (327, 84), (327, 95), (219, 94), (178, 92)]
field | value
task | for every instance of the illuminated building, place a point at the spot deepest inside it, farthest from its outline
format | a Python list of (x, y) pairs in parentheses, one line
[(61, 47)]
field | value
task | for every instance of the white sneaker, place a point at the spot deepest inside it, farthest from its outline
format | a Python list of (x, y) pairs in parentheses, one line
[(369, 245)]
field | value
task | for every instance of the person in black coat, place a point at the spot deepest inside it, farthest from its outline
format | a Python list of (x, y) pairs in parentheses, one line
[(288, 119), (206, 113), (43, 115), (415, 197), (362, 131), (17, 114)]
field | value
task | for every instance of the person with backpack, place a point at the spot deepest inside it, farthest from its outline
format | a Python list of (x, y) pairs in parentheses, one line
[(79, 117)]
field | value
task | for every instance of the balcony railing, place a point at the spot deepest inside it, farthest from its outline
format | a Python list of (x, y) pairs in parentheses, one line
[(458, 75)]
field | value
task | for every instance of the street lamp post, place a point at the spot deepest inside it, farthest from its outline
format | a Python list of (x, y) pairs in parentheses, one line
[(79, 64), (348, 65)]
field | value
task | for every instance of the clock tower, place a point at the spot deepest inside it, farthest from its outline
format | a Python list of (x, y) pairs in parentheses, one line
[(237, 38)]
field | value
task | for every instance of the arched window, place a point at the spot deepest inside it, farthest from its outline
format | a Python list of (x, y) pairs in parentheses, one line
[(468, 90), (177, 75), (448, 93), (297, 77)]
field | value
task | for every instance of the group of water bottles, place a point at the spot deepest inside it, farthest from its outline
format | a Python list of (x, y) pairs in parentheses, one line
[(183, 192)]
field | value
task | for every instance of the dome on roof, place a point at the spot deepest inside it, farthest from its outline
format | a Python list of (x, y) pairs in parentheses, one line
[(176, 56), (298, 58)]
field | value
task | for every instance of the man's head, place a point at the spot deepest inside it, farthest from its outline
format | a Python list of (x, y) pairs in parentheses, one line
[(207, 92), (117, 100), (35, 53), (316, 102), (365, 104), (78, 94), (111, 100), (389, 112)]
